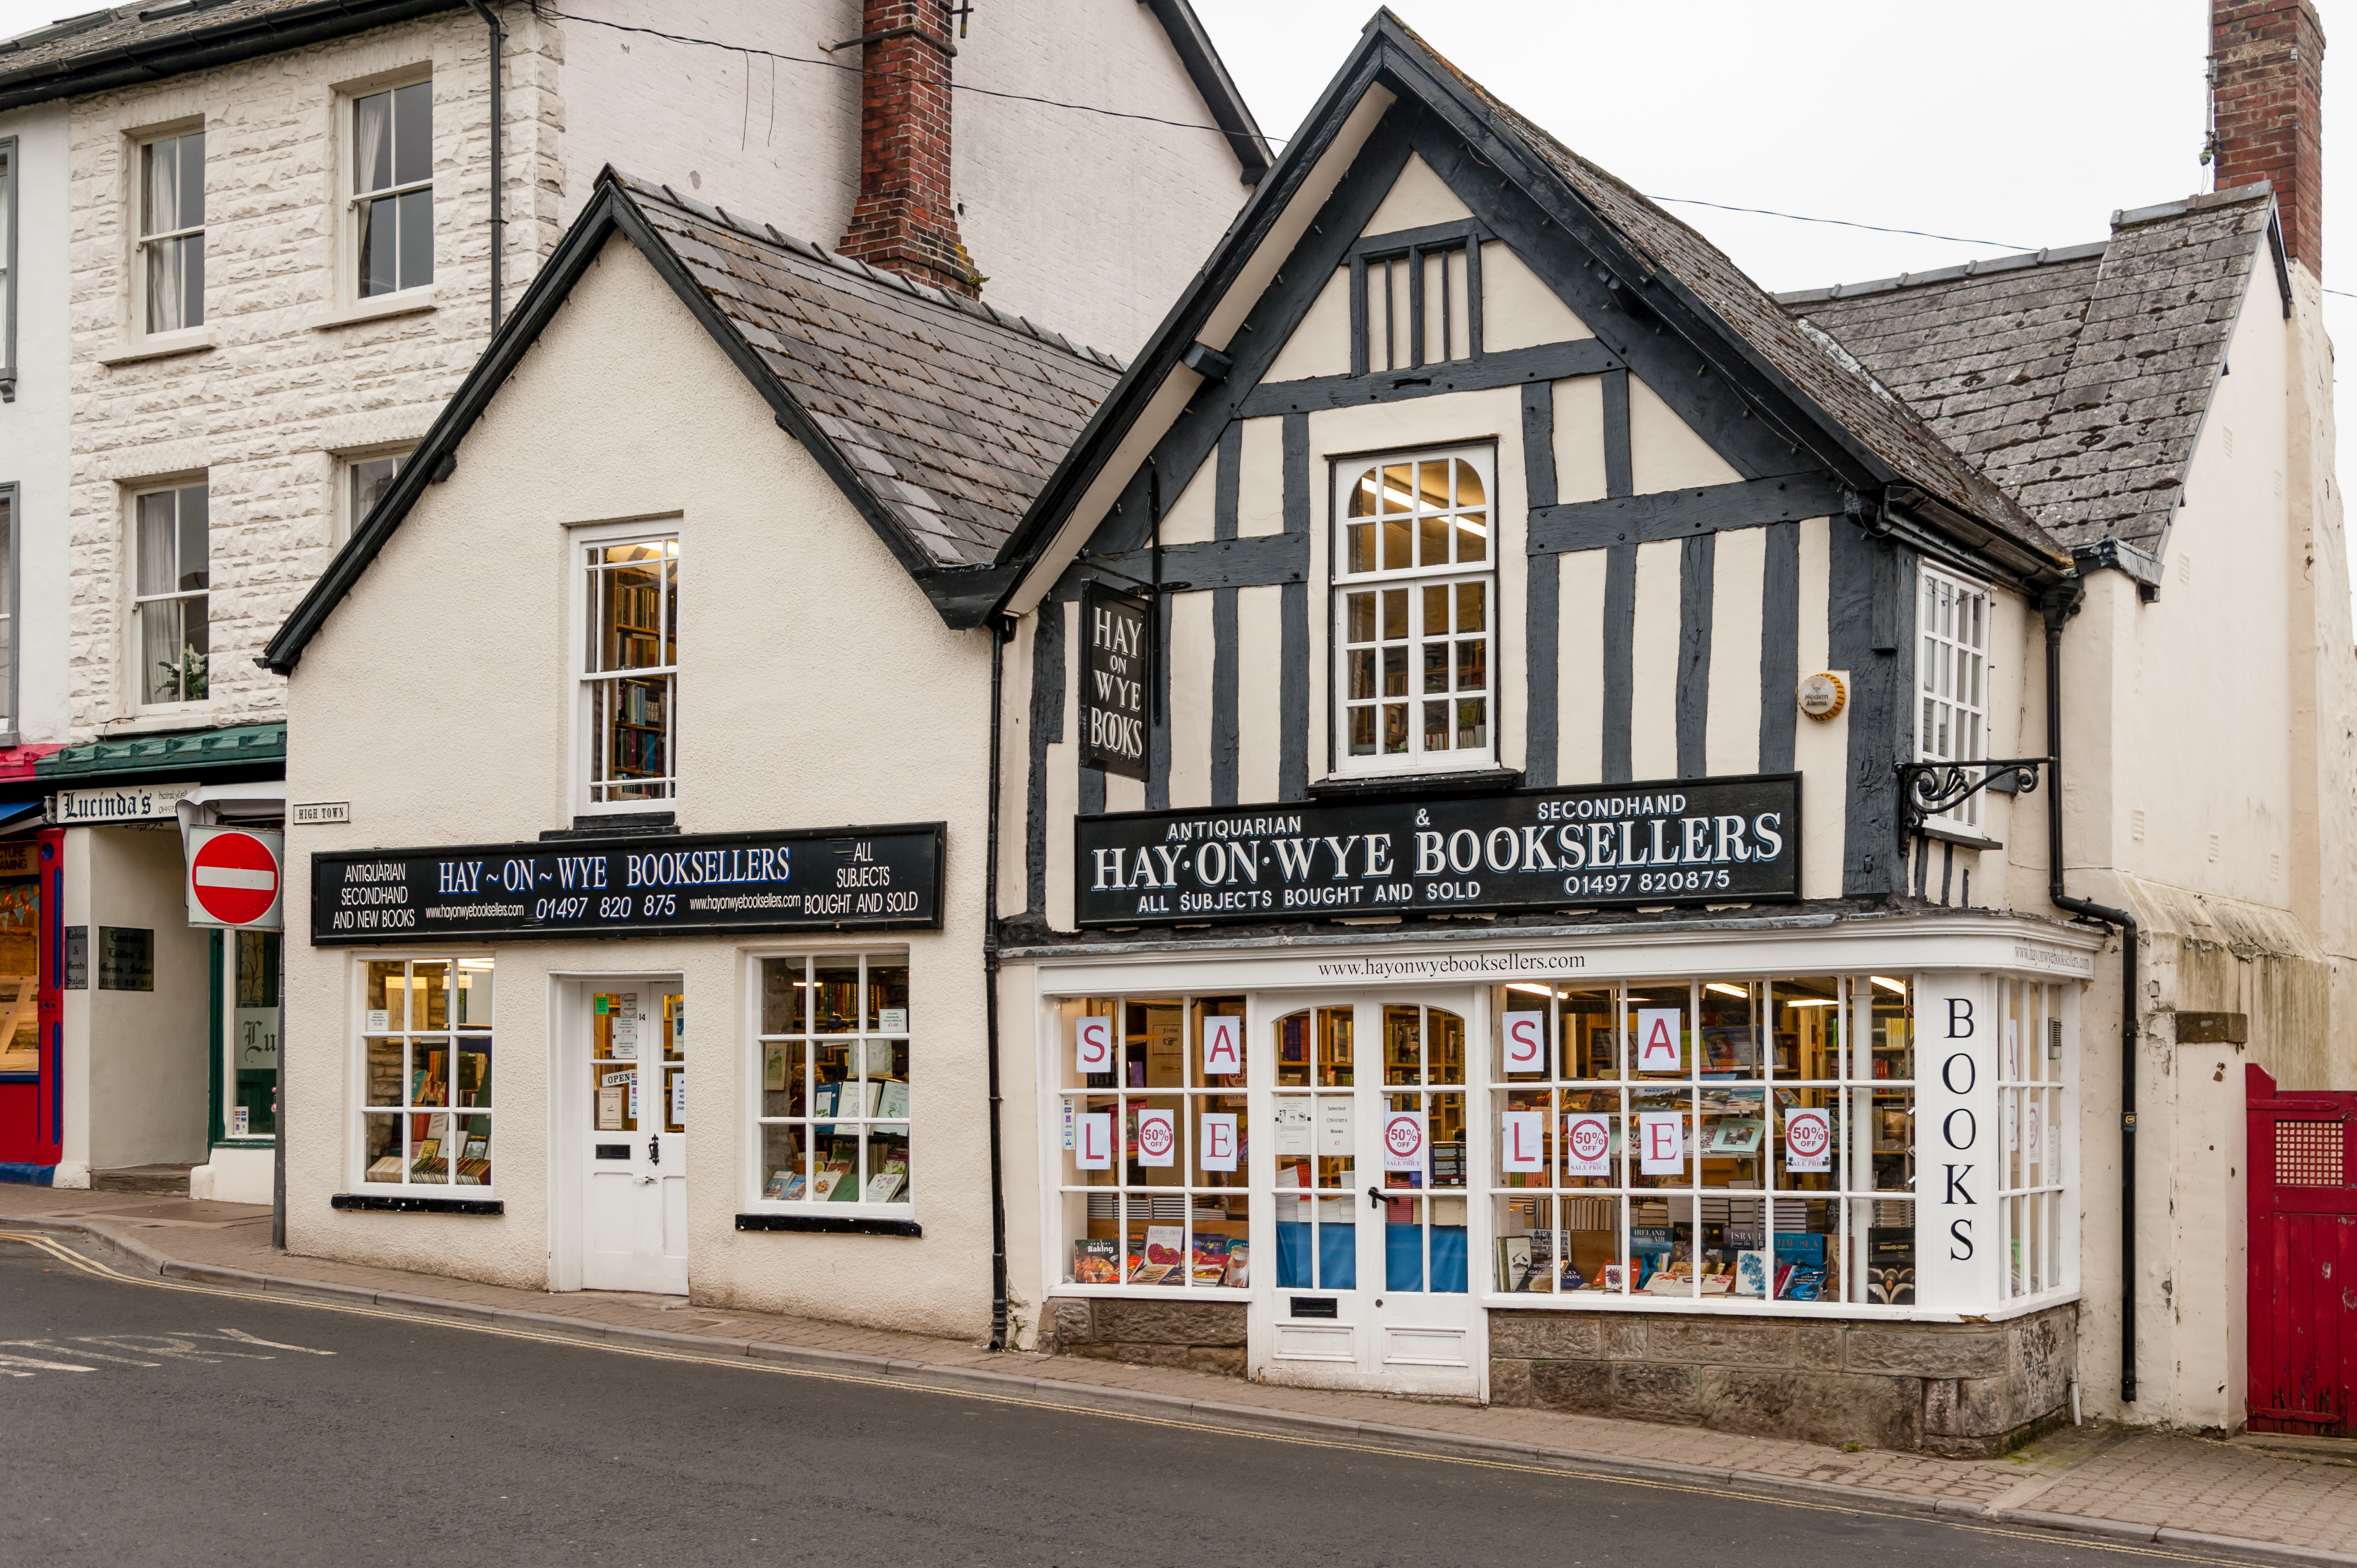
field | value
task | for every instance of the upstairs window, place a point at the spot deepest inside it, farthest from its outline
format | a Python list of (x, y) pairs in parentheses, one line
[(172, 568), (1952, 720), (1414, 613), (8, 267), (172, 231), (366, 480), (393, 189), (631, 671)]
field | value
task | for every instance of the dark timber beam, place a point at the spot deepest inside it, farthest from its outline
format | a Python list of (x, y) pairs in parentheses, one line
[(1514, 367), (1254, 561), (1682, 514)]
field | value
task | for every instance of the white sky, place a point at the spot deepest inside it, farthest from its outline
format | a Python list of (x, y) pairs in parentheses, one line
[(2016, 124)]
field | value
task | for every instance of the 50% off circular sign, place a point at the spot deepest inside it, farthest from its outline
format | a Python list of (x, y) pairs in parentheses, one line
[(1589, 1139), (1154, 1137)]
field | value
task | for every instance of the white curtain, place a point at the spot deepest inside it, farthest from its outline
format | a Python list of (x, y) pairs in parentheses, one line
[(166, 274)]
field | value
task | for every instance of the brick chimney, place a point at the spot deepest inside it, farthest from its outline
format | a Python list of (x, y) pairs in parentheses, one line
[(2266, 105), (905, 221)]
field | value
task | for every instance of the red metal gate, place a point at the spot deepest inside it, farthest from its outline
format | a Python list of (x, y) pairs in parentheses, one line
[(2303, 1285)]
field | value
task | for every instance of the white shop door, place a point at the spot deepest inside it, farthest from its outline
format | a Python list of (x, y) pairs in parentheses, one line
[(634, 1085), (1372, 1283)]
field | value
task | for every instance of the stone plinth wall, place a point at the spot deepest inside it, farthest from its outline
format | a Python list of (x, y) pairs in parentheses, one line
[(1964, 1390), (1207, 1336)]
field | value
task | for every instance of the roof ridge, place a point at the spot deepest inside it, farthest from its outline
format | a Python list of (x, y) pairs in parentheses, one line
[(1985, 267), (809, 249)]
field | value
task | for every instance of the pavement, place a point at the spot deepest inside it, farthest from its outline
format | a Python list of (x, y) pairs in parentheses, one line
[(2284, 1500)]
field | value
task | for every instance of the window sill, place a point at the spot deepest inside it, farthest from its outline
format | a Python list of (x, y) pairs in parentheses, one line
[(161, 346), (387, 1203), (245, 1142), (1469, 781), (1963, 838), (1159, 1293), (161, 721), (829, 1224), (408, 301)]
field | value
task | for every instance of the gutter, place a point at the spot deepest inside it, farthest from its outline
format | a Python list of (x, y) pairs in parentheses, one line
[(2058, 607), (1000, 630), (129, 65)]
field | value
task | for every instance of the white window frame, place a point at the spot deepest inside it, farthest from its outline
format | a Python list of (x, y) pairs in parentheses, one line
[(1941, 655), (348, 200), (10, 172), (12, 540), (585, 740), (136, 191), (1346, 473), (361, 1109), (135, 654), (902, 1207), (346, 513)]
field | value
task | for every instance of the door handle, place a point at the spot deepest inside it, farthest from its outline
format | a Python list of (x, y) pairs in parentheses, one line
[(654, 1150), (1376, 1197)]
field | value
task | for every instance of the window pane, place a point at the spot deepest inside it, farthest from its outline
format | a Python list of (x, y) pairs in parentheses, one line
[(785, 992), (1394, 671), (1436, 665), (1472, 537), (1395, 614), (1362, 732), (416, 239), (1398, 496), (1473, 664), (1395, 727), (1432, 540), (371, 480), (1362, 673), (1436, 726), (1397, 539), (1363, 543), (413, 133), (1468, 485), (1362, 617), (161, 165), (1364, 495), (157, 541), (375, 246), (194, 562), (1472, 605), (1473, 723), (372, 142)]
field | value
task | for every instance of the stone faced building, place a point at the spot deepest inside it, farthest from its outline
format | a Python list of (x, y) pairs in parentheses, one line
[(289, 228)]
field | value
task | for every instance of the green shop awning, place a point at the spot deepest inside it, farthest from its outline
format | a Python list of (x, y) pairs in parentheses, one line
[(207, 756)]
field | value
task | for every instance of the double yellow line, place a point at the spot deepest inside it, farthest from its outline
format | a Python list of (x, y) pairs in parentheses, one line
[(54, 1249)]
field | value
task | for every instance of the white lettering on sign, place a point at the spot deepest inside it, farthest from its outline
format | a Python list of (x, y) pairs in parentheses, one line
[(1157, 1138), (1526, 1042), (1661, 1142), (1095, 1151), (1808, 1139), (1404, 1148), (1521, 1141), (1221, 1144), (1223, 1046), (1658, 1031), (1093, 1045), (1587, 1146)]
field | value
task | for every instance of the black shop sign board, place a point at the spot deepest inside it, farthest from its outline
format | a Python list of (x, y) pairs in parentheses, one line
[(1117, 644), (882, 878), (1686, 841)]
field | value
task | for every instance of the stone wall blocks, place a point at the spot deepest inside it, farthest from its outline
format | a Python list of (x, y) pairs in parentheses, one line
[(1553, 1336), (1927, 1352), (1173, 1323), (1879, 1411), (1625, 1337), (1727, 1342)]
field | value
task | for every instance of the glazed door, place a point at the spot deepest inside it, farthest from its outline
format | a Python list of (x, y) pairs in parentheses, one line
[(634, 1085), (1372, 1285)]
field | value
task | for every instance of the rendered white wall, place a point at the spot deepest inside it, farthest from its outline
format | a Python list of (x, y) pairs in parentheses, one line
[(33, 443)]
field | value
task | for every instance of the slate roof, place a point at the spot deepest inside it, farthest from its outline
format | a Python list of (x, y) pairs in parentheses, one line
[(2076, 379), (1836, 383), (953, 414), (108, 43)]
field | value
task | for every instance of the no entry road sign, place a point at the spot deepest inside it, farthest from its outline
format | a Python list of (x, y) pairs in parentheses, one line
[(234, 878)]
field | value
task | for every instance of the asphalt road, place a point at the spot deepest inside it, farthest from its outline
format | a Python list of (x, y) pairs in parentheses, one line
[(209, 1428)]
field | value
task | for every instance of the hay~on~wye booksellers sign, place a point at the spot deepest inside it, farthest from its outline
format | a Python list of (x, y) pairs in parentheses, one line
[(828, 879), (1716, 841)]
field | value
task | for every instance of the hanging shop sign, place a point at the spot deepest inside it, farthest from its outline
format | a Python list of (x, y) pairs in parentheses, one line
[(828, 879), (1117, 633), (1689, 841)]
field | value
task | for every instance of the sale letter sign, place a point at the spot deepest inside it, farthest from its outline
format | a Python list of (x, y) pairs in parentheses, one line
[(1657, 1039), (1587, 1146), (1808, 1139), (1093, 1045), (1157, 1138), (1218, 1149), (1403, 1140), (1522, 1141), (1223, 1046), (1661, 1142), (1095, 1150), (1526, 1043)]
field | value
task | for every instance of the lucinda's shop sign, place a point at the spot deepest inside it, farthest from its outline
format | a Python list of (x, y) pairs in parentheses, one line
[(1683, 841)]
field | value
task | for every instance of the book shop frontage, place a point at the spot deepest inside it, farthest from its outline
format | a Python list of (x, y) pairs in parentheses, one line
[(1788, 1173)]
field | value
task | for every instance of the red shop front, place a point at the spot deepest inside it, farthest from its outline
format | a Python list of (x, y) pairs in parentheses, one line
[(32, 1020)]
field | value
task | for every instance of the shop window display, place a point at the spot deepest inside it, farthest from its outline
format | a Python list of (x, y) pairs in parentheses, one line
[(1156, 1153), (833, 1055), (2030, 1211), (426, 1047), (1746, 1141)]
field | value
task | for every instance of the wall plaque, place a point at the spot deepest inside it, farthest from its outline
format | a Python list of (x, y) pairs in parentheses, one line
[(1685, 841), (828, 879), (126, 958), (1117, 640)]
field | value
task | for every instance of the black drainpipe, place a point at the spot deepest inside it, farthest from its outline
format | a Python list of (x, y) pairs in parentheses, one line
[(1000, 630), (2059, 605), (498, 223)]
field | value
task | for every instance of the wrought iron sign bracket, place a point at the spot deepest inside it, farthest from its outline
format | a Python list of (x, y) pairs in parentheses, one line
[(1935, 789)]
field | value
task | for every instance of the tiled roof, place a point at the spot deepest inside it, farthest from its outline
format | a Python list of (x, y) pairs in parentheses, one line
[(1888, 427), (77, 43), (2076, 379), (953, 414)]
